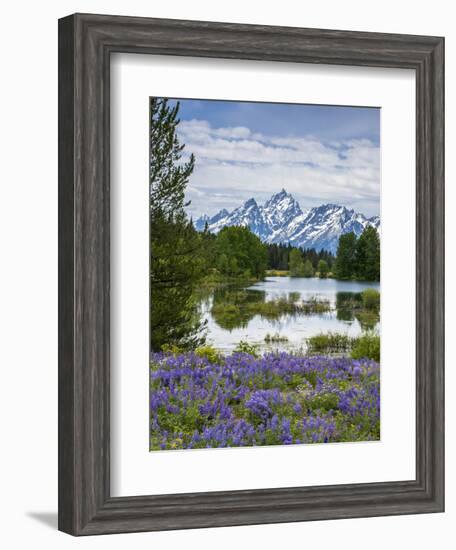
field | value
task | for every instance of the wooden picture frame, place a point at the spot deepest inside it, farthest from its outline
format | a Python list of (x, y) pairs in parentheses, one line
[(85, 45)]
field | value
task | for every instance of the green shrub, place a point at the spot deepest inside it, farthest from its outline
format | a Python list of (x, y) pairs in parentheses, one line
[(330, 342), (245, 347), (371, 298), (172, 348), (367, 346), (209, 352)]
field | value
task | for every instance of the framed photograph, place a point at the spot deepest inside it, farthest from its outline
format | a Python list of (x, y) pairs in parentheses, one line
[(251, 274)]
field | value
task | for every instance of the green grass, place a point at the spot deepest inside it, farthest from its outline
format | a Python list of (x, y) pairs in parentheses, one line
[(331, 342), (370, 298), (365, 346), (277, 273), (275, 338), (214, 280)]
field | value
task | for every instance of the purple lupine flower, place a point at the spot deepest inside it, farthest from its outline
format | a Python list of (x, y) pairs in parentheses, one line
[(194, 403)]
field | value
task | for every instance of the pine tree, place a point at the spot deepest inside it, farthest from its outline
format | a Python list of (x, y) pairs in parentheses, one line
[(176, 251), (323, 269), (168, 176), (296, 263), (367, 255), (241, 253), (308, 269), (345, 267)]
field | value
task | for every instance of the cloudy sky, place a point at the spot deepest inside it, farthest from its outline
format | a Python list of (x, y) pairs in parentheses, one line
[(319, 154)]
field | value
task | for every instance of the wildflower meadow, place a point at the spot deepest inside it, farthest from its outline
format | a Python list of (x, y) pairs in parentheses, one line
[(276, 399)]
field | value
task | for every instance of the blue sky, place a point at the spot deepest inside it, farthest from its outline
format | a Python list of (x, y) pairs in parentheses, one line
[(319, 154), (322, 121)]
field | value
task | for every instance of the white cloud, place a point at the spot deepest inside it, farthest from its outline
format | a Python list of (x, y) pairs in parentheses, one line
[(233, 164)]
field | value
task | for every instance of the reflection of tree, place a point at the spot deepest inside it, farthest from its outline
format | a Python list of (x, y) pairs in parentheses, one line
[(346, 303), (368, 319), (345, 315), (232, 307), (203, 296), (235, 307), (349, 306), (348, 300), (294, 296)]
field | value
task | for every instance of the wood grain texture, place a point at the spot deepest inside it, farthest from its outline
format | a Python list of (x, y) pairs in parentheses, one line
[(85, 45), (66, 276)]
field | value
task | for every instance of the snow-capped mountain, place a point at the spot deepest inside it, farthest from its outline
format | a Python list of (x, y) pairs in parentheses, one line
[(281, 220)]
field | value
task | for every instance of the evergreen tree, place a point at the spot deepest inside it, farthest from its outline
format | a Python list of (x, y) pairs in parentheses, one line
[(168, 175), (327, 256), (367, 255), (245, 254), (296, 263), (346, 256), (285, 256), (176, 248), (308, 269), (223, 265), (323, 269)]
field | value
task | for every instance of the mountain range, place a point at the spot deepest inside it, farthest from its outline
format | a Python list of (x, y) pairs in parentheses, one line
[(281, 220)]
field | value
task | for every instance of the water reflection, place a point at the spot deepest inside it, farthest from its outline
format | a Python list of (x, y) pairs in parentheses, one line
[(278, 305), (230, 307)]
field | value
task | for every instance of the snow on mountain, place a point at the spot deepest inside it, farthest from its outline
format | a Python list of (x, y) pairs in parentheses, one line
[(281, 220), (375, 221), (280, 210)]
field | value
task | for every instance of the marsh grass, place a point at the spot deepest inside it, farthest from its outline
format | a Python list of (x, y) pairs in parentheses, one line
[(272, 309), (366, 346), (370, 298), (362, 306), (275, 338), (277, 273), (332, 342)]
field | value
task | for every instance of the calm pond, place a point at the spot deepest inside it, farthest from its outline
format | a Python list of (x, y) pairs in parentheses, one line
[(231, 312)]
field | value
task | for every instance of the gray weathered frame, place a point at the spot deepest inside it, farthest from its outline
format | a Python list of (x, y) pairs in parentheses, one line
[(85, 45)]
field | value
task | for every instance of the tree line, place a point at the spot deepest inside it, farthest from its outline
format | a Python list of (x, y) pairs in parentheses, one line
[(279, 256)]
